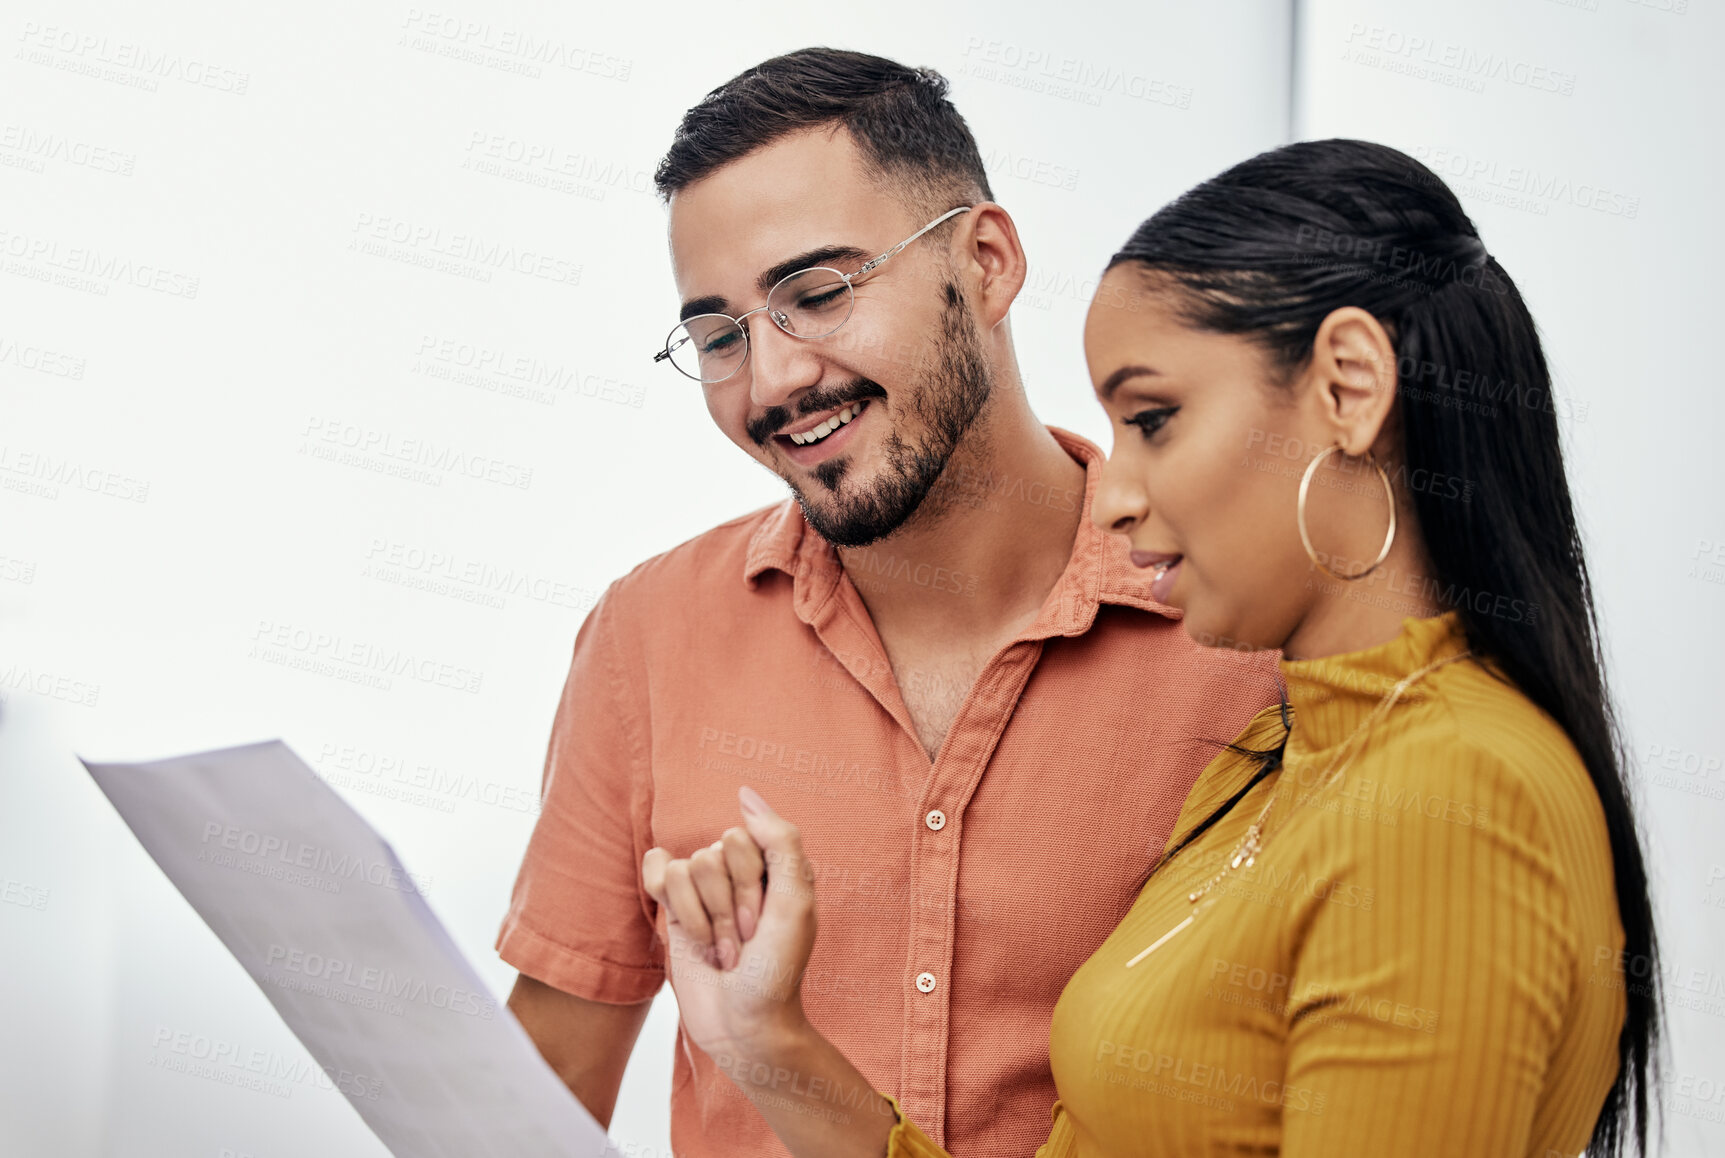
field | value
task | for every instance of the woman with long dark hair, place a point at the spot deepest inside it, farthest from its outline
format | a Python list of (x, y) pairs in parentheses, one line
[(1395, 914)]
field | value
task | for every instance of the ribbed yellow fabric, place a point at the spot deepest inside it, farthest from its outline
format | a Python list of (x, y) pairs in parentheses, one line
[(1420, 961)]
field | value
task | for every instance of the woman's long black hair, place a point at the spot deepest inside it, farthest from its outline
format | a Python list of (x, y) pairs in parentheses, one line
[(1267, 250)]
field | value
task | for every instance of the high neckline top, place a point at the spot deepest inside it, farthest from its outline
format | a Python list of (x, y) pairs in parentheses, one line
[(1332, 696), (1434, 927)]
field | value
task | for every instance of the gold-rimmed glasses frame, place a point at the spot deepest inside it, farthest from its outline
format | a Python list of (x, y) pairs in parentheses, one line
[(810, 304)]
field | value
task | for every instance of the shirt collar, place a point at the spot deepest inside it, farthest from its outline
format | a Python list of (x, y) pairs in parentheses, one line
[(1098, 571)]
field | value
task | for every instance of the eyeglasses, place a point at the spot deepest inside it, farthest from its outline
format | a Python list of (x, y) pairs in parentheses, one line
[(811, 303)]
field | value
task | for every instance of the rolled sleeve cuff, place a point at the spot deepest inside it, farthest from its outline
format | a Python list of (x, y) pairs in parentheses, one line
[(574, 972)]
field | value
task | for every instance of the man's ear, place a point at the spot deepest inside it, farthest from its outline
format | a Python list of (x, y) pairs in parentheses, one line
[(994, 257), (1353, 376)]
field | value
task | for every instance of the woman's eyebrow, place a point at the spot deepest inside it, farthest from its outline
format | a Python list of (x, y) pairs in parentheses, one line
[(1113, 381)]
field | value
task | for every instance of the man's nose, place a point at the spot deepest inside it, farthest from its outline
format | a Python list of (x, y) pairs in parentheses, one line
[(780, 365)]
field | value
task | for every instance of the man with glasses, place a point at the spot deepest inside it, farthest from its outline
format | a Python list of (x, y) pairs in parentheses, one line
[(927, 657)]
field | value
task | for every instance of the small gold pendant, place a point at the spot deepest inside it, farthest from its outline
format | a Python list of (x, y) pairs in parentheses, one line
[(1246, 852)]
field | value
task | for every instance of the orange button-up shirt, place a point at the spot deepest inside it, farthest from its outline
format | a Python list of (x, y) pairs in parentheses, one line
[(957, 896)]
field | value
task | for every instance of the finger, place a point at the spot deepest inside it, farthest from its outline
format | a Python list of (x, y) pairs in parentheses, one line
[(680, 953), (713, 882), (653, 883), (748, 867), (789, 873), (653, 873), (686, 910)]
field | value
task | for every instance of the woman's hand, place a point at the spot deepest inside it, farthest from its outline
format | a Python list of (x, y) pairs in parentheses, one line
[(737, 956)]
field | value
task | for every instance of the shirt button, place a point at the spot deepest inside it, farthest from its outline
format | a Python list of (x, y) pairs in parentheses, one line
[(935, 820), (925, 982)]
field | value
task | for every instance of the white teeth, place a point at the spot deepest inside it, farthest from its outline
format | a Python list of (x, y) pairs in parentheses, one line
[(827, 427)]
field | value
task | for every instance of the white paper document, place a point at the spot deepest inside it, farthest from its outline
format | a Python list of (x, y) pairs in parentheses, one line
[(316, 907)]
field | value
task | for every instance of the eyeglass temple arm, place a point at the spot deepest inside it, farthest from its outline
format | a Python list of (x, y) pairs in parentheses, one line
[(870, 266)]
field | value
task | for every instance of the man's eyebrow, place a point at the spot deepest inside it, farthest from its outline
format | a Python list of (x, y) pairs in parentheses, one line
[(711, 304), (842, 256), (828, 255), (1113, 381)]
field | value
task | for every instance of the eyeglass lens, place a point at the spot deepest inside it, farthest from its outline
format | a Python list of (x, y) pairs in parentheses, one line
[(809, 304)]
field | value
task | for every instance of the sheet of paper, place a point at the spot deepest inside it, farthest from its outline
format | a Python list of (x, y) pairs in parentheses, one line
[(316, 907)]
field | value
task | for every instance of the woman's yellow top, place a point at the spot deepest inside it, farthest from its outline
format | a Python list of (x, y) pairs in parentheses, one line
[(1421, 960)]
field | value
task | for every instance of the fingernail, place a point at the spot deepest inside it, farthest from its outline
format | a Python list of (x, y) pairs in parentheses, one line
[(746, 921), (727, 952), (752, 802)]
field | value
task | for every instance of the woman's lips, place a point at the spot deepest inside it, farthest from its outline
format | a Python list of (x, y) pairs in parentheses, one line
[(1167, 564), (1166, 575), (1153, 558)]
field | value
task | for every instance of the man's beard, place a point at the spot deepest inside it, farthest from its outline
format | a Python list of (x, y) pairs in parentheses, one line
[(956, 387)]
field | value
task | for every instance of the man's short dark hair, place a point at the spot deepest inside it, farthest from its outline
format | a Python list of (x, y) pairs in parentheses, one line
[(909, 134)]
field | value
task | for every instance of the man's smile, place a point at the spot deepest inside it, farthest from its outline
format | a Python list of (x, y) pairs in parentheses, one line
[(821, 436)]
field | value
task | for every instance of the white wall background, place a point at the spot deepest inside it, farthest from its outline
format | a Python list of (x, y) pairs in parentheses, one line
[(1582, 138), (163, 502), (128, 616)]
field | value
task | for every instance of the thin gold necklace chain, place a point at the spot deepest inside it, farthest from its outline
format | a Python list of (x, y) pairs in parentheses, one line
[(1246, 852)]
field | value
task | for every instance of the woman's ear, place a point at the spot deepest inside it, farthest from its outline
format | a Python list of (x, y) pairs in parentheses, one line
[(1353, 377)]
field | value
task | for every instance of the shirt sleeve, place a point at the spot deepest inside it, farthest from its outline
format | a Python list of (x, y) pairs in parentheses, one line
[(578, 918), (1421, 1019)]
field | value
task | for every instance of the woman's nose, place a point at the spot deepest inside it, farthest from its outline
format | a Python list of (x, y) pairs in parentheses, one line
[(1120, 503)]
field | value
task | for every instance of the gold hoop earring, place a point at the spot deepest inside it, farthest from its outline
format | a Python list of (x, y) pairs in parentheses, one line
[(1306, 536)]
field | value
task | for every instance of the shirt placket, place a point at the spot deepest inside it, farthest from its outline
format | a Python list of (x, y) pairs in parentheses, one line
[(841, 622), (935, 850)]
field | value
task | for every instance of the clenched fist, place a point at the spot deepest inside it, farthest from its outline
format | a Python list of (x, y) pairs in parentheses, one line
[(738, 949)]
